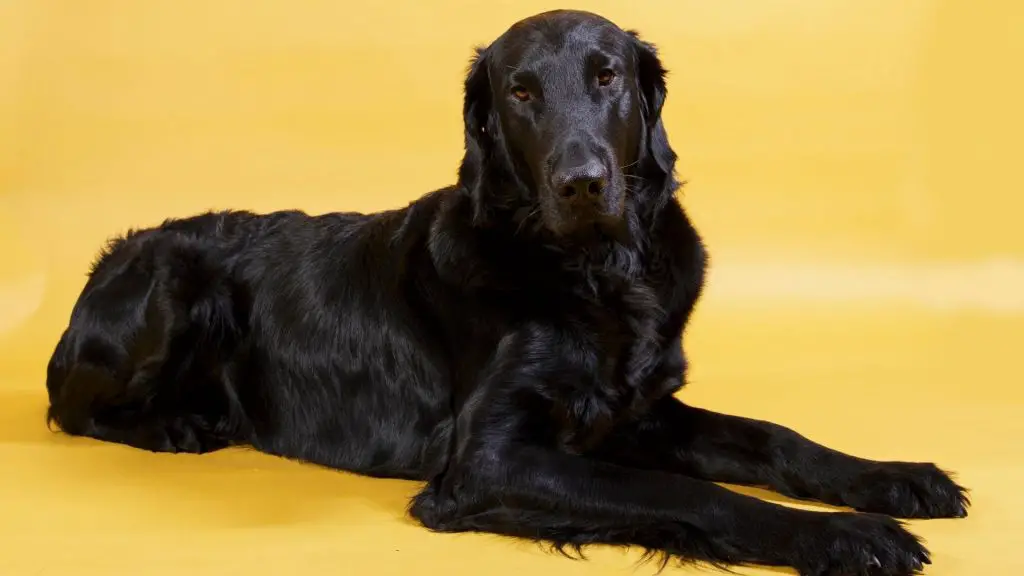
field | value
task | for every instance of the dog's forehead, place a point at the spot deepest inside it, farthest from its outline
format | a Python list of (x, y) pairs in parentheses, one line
[(535, 41)]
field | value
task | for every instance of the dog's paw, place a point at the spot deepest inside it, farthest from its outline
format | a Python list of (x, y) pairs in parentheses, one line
[(861, 544), (907, 490)]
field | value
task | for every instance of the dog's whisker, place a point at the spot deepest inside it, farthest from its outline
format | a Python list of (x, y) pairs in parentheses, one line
[(526, 218)]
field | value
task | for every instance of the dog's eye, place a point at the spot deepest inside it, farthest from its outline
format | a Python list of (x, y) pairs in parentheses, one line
[(605, 77), (520, 93)]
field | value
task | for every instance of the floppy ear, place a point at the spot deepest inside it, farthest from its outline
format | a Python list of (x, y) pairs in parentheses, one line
[(480, 131), (653, 91)]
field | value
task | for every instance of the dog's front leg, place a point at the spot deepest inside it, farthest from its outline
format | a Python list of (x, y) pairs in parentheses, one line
[(719, 447), (571, 501), (509, 474)]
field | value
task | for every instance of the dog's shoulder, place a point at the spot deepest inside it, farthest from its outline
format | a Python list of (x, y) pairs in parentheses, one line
[(678, 259)]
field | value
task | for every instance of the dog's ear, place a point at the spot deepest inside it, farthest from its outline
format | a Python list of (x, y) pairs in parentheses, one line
[(653, 91), (480, 128), (476, 103)]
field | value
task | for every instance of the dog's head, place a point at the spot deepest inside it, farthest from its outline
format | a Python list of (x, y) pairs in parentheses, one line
[(563, 127)]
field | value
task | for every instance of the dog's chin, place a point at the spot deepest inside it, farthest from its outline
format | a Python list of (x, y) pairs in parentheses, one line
[(575, 233)]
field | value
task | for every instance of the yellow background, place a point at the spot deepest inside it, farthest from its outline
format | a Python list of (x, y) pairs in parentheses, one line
[(855, 166)]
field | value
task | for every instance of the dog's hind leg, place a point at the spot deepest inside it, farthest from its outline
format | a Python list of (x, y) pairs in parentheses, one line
[(141, 363)]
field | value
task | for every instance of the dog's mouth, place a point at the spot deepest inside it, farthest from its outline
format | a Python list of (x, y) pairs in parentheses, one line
[(581, 230)]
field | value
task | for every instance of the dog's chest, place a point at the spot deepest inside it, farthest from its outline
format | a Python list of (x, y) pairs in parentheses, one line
[(618, 339)]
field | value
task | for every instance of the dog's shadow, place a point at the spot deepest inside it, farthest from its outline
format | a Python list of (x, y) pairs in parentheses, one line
[(777, 498), (229, 488)]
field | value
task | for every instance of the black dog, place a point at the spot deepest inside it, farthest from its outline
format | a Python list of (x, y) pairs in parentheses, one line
[(515, 340)]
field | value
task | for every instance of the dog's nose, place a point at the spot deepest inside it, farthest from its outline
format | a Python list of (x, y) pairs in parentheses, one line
[(581, 184)]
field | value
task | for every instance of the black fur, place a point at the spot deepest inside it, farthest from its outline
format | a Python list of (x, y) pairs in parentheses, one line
[(515, 345)]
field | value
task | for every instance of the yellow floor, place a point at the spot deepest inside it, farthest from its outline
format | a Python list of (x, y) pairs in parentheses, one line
[(854, 165)]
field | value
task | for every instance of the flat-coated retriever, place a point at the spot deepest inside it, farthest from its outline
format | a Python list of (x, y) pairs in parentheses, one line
[(515, 340)]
